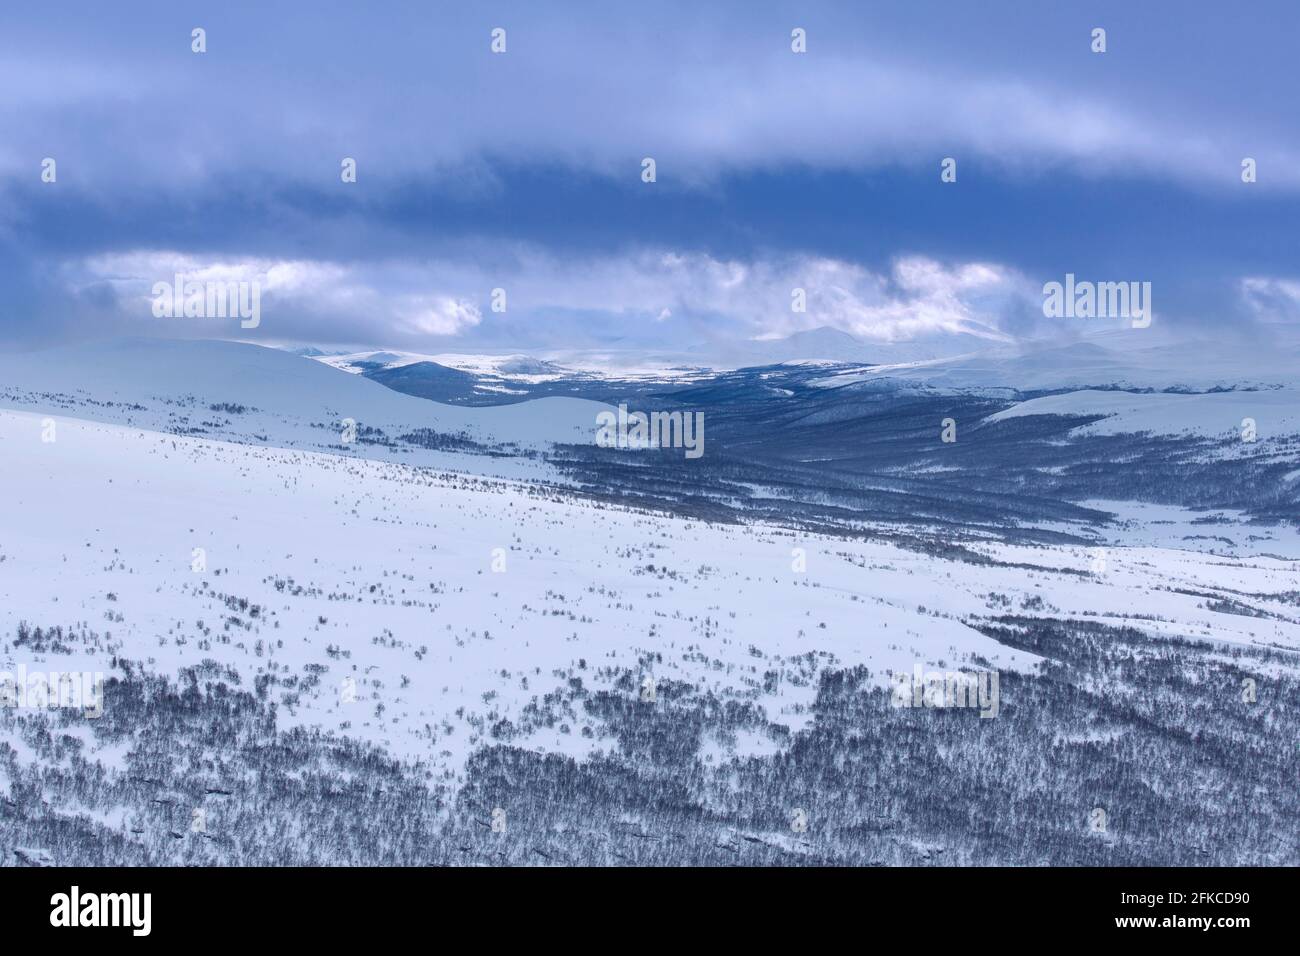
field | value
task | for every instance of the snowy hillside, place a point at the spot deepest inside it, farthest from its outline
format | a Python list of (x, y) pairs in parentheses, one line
[(1275, 412), (250, 393), (460, 623), (1100, 360)]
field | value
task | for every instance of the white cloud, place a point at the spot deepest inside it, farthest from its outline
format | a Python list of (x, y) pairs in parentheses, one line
[(1272, 299), (439, 315), (653, 292)]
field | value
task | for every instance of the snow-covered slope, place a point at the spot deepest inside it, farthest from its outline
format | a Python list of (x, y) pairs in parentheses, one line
[(246, 392), (185, 510), (1275, 412), (1125, 360), (515, 366), (451, 602)]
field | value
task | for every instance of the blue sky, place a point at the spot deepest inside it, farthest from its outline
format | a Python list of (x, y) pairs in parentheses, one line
[(522, 170)]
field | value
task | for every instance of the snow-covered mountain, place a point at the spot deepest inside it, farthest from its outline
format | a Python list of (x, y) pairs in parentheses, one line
[(182, 518), (250, 393)]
